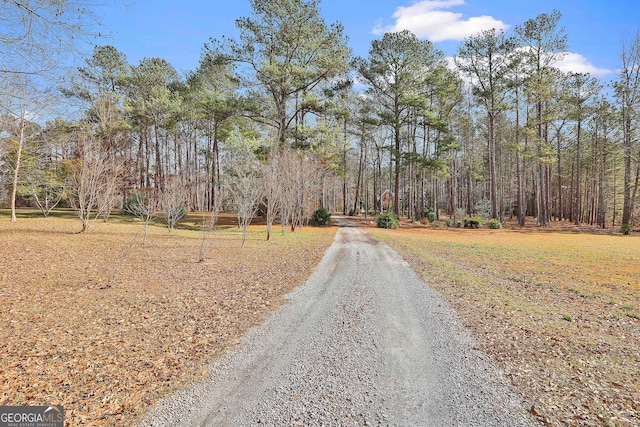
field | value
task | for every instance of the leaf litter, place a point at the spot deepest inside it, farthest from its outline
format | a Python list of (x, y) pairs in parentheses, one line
[(556, 310), (109, 349)]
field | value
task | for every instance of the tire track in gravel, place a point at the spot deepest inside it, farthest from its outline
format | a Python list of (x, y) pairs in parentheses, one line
[(363, 343)]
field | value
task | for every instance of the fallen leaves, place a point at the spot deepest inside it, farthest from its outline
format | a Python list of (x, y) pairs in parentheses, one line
[(107, 349), (516, 290)]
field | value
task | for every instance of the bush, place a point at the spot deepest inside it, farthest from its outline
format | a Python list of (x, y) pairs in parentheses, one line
[(476, 222), (494, 224), (133, 202), (625, 229), (388, 220), (483, 208), (431, 215), (320, 218)]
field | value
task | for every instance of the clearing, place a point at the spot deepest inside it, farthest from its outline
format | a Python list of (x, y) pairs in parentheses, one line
[(105, 326), (363, 342), (559, 311)]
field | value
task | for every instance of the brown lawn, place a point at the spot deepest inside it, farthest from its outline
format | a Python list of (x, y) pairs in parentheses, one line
[(559, 311), (105, 326)]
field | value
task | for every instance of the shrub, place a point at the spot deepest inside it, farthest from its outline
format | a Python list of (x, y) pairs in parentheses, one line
[(625, 229), (133, 202), (388, 220), (431, 215), (483, 208), (320, 218), (476, 222), (494, 224)]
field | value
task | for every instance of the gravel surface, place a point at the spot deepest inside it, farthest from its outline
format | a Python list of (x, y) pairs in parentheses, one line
[(363, 343)]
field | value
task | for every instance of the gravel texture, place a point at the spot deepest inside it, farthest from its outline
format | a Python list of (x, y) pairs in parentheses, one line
[(363, 343)]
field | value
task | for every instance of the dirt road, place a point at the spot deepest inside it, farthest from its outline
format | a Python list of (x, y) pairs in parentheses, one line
[(363, 343)]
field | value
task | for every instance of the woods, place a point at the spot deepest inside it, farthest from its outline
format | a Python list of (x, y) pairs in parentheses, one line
[(284, 120)]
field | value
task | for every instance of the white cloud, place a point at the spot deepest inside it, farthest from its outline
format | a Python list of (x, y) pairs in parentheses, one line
[(426, 19), (451, 63), (576, 63)]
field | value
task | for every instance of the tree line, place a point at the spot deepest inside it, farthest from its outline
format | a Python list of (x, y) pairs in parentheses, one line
[(285, 119)]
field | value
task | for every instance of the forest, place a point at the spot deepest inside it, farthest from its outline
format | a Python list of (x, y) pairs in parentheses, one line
[(284, 120)]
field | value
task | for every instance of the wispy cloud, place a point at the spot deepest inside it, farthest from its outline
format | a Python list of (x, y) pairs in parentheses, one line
[(427, 19), (576, 63)]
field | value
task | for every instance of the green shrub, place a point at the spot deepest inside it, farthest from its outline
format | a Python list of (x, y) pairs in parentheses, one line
[(476, 222), (431, 215), (626, 229), (494, 224), (458, 223), (320, 218), (133, 202), (388, 220)]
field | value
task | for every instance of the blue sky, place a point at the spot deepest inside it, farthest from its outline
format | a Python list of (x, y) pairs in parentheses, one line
[(177, 30)]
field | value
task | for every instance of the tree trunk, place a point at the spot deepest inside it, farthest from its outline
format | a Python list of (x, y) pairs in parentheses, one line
[(636, 185), (602, 209), (16, 169), (627, 204), (396, 196), (560, 208), (577, 214), (344, 168), (359, 178), (493, 184)]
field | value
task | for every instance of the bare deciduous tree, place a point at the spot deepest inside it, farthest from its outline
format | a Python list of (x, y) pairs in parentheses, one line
[(172, 201), (38, 35), (246, 190), (273, 187), (208, 222), (300, 180), (89, 177), (46, 193), (18, 159), (144, 205), (288, 173)]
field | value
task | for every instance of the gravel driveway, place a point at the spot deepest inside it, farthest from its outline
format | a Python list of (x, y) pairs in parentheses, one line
[(363, 343)]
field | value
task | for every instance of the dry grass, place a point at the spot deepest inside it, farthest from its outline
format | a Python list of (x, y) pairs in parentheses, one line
[(105, 326), (560, 312)]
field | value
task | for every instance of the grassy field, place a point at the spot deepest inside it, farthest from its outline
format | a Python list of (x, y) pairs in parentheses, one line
[(559, 312), (105, 326)]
